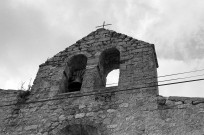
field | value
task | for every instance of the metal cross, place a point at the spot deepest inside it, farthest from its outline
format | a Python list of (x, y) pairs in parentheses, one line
[(104, 24)]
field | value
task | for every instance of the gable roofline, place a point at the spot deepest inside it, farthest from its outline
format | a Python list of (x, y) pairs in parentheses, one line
[(112, 33), (122, 35)]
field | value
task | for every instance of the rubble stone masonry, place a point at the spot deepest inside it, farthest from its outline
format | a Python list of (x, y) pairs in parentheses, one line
[(69, 95)]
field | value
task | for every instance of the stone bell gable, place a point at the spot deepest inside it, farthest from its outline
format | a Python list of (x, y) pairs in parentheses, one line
[(69, 95), (84, 66)]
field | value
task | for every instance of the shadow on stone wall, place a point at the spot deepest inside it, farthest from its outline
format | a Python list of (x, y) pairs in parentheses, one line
[(79, 129)]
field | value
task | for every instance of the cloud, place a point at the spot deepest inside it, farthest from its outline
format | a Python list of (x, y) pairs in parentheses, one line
[(31, 31), (177, 28), (25, 41)]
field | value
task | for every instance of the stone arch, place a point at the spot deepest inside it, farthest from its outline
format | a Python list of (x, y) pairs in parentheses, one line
[(79, 129), (68, 59), (73, 73), (109, 60)]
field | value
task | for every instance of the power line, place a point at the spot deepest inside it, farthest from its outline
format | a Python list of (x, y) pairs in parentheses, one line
[(181, 78), (106, 92), (192, 71), (109, 84)]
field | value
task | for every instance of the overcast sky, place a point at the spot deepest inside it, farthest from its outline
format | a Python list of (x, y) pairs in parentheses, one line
[(33, 30)]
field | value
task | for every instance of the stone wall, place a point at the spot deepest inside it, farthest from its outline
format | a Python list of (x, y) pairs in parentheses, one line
[(176, 116), (8, 96), (131, 108), (7, 113), (130, 113), (112, 113)]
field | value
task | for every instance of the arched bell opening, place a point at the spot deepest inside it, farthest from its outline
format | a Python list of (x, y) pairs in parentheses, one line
[(79, 129), (109, 61), (112, 78), (73, 73)]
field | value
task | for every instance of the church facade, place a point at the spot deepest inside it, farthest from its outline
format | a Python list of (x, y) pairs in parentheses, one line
[(69, 95)]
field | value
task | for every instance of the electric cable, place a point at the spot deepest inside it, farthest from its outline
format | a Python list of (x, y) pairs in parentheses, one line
[(192, 71), (174, 74), (109, 84), (181, 78), (105, 92)]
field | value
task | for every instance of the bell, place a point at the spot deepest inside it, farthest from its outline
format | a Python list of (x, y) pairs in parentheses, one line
[(78, 79), (75, 85)]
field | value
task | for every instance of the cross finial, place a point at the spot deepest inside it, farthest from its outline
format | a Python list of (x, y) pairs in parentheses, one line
[(104, 24)]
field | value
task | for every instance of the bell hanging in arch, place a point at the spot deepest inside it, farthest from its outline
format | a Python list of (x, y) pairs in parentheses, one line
[(75, 85)]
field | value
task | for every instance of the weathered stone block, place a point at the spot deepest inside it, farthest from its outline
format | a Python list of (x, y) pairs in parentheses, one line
[(124, 105), (80, 115), (31, 127)]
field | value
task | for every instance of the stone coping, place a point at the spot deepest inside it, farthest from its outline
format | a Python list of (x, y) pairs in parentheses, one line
[(183, 100), (101, 91)]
